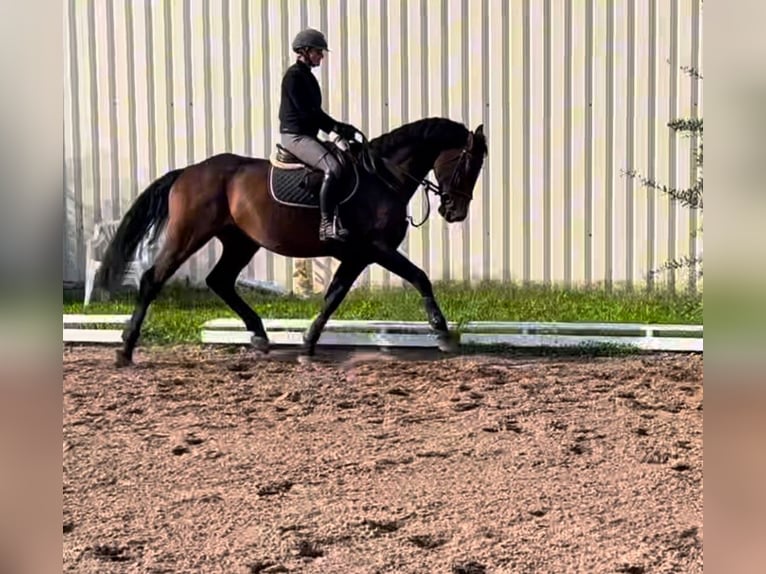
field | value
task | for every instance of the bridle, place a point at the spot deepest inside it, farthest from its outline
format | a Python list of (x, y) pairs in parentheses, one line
[(458, 159)]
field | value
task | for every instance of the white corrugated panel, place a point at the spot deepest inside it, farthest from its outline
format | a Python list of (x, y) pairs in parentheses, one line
[(570, 93)]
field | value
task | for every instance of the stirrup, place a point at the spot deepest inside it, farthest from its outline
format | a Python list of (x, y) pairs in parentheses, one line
[(338, 227), (328, 231)]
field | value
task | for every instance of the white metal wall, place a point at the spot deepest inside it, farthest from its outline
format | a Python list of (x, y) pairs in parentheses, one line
[(570, 93)]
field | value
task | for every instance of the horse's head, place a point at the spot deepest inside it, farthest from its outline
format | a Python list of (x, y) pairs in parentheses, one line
[(452, 151), (456, 172)]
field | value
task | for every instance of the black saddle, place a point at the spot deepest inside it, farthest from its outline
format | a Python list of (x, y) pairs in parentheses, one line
[(300, 187)]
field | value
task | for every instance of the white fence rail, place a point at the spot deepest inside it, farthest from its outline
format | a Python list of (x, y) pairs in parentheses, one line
[(289, 332)]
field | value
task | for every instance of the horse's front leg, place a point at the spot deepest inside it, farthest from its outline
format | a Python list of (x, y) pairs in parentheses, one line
[(391, 259)]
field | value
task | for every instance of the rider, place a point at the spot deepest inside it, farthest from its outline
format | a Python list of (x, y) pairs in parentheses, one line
[(300, 119)]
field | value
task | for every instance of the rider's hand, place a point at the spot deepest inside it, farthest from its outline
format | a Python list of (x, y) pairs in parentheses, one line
[(346, 131)]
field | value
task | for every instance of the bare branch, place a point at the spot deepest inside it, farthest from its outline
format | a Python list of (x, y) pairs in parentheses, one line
[(691, 125), (684, 262), (691, 197), (692, 72)]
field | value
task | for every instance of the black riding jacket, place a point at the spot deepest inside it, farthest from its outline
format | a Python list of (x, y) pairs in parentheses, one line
[(300, 109)]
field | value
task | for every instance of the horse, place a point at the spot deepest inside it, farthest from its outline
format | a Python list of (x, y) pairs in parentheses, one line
[(228, 196)]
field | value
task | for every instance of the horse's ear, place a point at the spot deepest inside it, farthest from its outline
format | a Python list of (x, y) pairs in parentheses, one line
[(480, 130)]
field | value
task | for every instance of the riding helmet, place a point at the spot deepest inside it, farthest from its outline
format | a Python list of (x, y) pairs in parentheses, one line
[(309, 38)]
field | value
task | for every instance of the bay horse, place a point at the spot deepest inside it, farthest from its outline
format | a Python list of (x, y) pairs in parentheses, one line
[(227, 196)]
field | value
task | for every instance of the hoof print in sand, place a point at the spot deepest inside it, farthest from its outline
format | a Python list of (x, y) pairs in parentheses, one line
[(193, 439), (426, 541), (110, 553), (380, 527), (266, 567), (508, 423), (656, 457), (273, 488), (578, 448), (471, 567), (462, 407), (309, 549)]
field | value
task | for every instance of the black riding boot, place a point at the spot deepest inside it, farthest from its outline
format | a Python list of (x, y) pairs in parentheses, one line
[(330, 228)]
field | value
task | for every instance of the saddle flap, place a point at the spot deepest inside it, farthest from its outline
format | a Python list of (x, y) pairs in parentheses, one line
[(300, 188)]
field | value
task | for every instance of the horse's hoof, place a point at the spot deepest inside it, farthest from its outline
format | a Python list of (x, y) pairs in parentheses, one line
[(122, 359), (448, 343), (305, 359), (306, 355), (260, 344)]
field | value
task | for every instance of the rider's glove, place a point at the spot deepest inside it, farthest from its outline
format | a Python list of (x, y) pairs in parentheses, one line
[(346, 131)]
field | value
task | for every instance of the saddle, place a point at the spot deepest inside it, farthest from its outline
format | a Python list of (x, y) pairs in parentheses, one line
[(284, 159), (296, 184)]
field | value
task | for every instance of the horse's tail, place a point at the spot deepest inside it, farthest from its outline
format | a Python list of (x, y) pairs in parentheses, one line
[(150, 209)]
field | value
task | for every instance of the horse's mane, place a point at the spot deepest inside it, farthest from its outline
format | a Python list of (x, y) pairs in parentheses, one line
[(442, 129)]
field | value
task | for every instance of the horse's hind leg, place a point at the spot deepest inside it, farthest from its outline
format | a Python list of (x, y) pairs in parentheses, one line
[(238, 250), (340, 285), (176, 249)]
